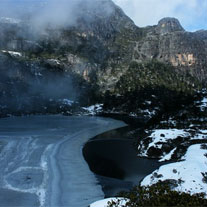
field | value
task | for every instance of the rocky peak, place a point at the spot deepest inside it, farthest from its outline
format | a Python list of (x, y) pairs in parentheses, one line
[(168, 25)]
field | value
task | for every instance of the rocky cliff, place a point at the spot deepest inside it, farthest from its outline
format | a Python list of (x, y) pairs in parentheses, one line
[(101, 52), (168, 42)]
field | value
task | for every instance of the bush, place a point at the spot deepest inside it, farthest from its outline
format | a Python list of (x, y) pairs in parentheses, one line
[(160, 194)]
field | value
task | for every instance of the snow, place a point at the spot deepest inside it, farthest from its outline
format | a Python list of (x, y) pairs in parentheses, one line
[(159, 137), (94, 109), (170, 121), (104, 203), (13, 53), (148, 102), (189, 173), (7, 20), (149, 113), (38, 74), (163, 135), (132, 114), (201, 135), (55, 61), (66, 101), (167, 156), (202, 104)]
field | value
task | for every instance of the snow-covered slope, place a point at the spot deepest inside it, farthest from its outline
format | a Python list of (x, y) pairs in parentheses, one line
[(188, 176), (163, 143)]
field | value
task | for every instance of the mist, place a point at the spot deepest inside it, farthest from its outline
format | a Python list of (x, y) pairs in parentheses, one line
[(23, 88), (35, 27), (42, 14)]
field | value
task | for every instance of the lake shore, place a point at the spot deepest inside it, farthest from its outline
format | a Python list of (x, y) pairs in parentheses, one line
[(112, 156), (42, 162)]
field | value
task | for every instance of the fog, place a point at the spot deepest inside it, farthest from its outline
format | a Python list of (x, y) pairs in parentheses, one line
[(26, 89), (55, 13), (21, 83)]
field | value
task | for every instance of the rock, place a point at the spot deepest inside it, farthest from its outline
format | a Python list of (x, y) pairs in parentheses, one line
[(169, 25), (99, 50)]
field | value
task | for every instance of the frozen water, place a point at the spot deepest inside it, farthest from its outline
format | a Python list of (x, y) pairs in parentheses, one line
[(42, 163)]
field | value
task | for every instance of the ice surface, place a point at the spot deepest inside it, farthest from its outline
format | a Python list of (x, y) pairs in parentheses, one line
[(42, 163)]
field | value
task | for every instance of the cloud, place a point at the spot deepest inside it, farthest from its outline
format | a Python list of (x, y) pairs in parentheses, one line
[(191, 13), (55, 12)]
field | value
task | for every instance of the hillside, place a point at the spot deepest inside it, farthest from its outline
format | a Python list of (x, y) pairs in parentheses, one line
[(98, 49), (92, 59)]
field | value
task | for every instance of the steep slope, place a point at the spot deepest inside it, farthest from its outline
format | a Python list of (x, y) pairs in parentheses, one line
[(168, 42), (96, 46)]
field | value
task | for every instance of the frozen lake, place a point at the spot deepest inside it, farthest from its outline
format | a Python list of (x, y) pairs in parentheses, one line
[(41, 162)]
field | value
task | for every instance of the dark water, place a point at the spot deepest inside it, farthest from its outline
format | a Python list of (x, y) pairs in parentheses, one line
[(112, 157)]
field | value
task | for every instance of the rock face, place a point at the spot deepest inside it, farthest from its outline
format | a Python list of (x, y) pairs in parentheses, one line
[(98, 48), (168, 42), (168, 25)]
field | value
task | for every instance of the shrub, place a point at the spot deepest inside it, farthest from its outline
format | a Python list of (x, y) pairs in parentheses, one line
[(160, 194)]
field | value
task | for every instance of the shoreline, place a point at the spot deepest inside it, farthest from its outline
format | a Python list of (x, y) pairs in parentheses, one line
[(69, 177), (121, 158)]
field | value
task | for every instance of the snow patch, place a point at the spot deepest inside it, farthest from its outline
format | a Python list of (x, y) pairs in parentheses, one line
[(191, 173), (54, 61), (12, 53), (168, 156), (202, 104), (148, 112), (94, 109), (132, 114), (160, 138), (163, 135), (67, 102), (38, 74), (104, 203)]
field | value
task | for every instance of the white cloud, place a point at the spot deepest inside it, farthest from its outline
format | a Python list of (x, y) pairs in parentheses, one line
[(191, 13)]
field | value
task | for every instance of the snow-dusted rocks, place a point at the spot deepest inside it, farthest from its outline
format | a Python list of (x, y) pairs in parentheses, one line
[(158, 142), (104, 203), (66, 101), (189, 175), (12, 53), (94, 109), (163, 135), (203, 104), (166, 144)]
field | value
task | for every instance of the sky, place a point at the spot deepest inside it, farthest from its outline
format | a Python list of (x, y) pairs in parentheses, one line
[(192, 14)]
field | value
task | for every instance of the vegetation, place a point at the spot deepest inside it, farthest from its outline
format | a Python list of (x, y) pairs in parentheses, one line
[(160, 194), (157, 83), (156, 74)]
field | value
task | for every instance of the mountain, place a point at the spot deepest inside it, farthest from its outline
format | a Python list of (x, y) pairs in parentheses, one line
[(66, 56), (96, 54)]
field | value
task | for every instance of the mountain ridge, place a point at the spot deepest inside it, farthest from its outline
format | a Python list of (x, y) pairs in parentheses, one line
[(99, 49)]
